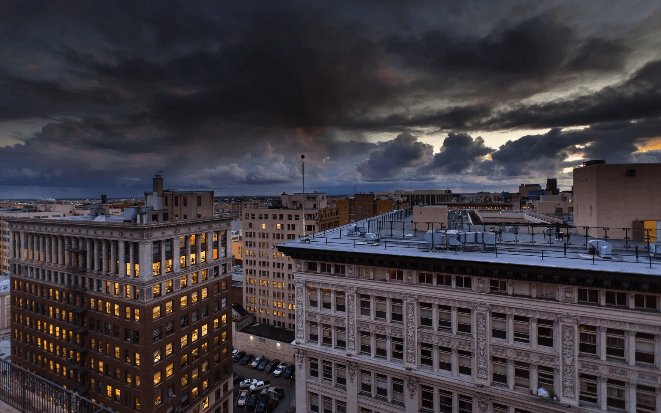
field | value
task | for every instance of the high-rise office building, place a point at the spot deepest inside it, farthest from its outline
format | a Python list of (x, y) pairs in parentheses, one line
[(133, 316), (268, 284)]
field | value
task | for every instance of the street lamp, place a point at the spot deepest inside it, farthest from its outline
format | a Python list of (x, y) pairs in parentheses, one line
[(303, 174)]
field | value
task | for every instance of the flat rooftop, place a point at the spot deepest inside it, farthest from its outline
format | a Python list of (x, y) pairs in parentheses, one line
[(111, 221), (531, 246), (270, 332)]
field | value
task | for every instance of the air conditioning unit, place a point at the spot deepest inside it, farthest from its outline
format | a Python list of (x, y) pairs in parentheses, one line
[(157, 391), (167, 400), (178, 409)]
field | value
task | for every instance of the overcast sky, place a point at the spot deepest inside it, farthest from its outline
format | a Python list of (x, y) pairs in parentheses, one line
[(467, 95)]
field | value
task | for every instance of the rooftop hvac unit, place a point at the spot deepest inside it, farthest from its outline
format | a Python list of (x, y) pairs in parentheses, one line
[(454, 242), (438, 237), (371, 237), (599, 247), (655, 250)]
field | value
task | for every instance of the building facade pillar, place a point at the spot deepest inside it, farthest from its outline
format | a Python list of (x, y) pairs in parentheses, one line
[(90, 260), (198, 248), (67, 250), (301, 360), (30, 245), (145, 260), (411, 394), (122, 258), (104, 256), (47, 249), (113, 257), (176, 253), (187, 249), (569, 388), (162, 242), (210, 246), (482, 333), (60, 250), (131, 259), (410, 332)]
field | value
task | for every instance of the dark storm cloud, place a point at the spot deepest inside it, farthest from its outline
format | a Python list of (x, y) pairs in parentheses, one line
[(639, 97), (534, 46), (613, 142), (599, 54), (236, 91), (458, 153), (390, 158)]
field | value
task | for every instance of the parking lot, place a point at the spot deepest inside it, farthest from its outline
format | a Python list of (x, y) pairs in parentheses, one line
[(248, 373)]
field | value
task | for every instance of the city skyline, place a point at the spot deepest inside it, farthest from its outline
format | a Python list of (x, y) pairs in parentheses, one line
[(464, 96)]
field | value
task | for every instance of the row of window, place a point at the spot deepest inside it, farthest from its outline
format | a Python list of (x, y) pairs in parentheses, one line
[(523, 289), (290, 217), (616, 395), (612, 344)]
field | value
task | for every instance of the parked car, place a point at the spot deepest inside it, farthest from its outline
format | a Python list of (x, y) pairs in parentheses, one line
[(247, 383), (256, 361), (289, 372), (236, 378), (264, 405), (252, 401), (262, 364), (271, 365), (241, 401), (280, 369), (272, 393), (236, 350), (259, 385), (247, 359), (238, 356)]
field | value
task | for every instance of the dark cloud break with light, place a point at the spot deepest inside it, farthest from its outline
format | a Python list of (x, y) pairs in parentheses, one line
[(97, 96)]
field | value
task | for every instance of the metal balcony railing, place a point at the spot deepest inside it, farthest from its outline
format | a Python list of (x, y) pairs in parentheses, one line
[(28, 392)]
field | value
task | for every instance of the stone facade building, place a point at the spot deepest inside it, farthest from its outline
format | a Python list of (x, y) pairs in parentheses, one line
[(393, 327), (132, 316)]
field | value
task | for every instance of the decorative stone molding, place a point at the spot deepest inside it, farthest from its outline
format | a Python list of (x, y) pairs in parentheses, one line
[(481, 285), (567, 295), (409, 277), (300, 357), (622, 325), (351, 369), (350, 271), (568, 382), (482, 404), (524, 312), (351, 322), (445, 341), (298, 265), (482, 353), (410, 333), (300, 324), (396, 332), (412, 385)]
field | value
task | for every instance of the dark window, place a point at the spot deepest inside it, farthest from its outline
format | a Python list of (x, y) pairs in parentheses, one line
[(588, 296)]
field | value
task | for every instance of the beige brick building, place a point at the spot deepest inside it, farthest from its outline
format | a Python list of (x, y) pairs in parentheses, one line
[(268, 283), (614, 196)]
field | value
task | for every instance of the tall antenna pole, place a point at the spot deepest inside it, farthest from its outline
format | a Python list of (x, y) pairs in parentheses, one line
[(303, 170)]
